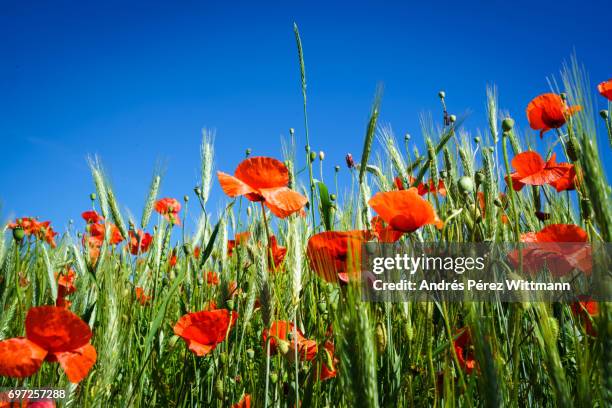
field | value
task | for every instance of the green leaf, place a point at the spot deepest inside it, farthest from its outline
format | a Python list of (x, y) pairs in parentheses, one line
[(326, 208)]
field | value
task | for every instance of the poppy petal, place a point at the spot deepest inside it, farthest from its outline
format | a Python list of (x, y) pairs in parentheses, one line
[(404, 210), (77, 363), (203, 330), (56, 329), (283, 201), (605, 89), (528, 163), (232, 186), (20, 357), (263, 172)]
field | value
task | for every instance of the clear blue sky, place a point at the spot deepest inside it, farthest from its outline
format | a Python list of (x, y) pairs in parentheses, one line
[(135, 82)]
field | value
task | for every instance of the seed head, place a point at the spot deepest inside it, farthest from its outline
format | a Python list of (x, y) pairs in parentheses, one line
[(507, 124), (18, 234)]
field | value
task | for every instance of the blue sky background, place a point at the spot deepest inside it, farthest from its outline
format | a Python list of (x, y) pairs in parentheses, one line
[(135, 82)]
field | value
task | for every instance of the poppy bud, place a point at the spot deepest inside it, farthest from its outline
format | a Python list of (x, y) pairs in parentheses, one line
[(407, 137), (477, 140), (321, 155), (230, 304), (443, 174), (441, 95), (250, 353), (18, 234), (563, 96), (507, 124), (92, 196), (585, 208), (185, 198), (312, 156), (248, 152), (452, 118), (603, 113), (223, 358), (197, 191), (381, 338), (291, 131), (219, 389), (337, 168), (480, 177), (466, 184), (571, 151), (332, 197), (350, 163), (322, 306)]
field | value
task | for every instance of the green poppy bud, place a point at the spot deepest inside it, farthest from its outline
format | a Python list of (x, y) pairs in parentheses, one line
[(337, 168), (219, 389), (452, 118), (480, 177), (603, 113), (18, 234), (92, 196), (322, 306), (321, 155), (466, 184), (250, 353), (283, 346), (197, 191), (291, 131), (247, 152), (441, 94), (186, 198), (273, 378), (313, 156), (407, 137), (230, 304), (507, 124), (332, 197), (477, 140)]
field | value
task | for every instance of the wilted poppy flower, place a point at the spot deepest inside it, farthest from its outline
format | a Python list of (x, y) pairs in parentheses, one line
[(383, 232), (277, 252), (52, 334), (141, 296), (531, 169), (245, 402), (280, 333), (605, 89), (240, 239), (404, 210), (548, 111), (212, 278), (328, 368), (169, 208), (263, 179), (336, 255), (92, 217), (139, 242), (202, 331), (559, 247), (585, 310), (465, 351)]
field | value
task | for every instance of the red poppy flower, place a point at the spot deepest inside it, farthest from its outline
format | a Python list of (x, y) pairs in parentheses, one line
[(141, 296), (240, 239), (404, 210), (173, 259), (585, 309), (169, 208), (139, 242), (482, 204), (92, 217), (383, 232), (278, 252), (53, 334), (568, 180), (559, 247), (548, 111), (202, 331), (465, 351), (336, 255), (605, 89), (98, 231), (279, 333), (531, 169), (41, 230), (263, 179), (196, 252), (212, 278), (65, 282), (245, 402)]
